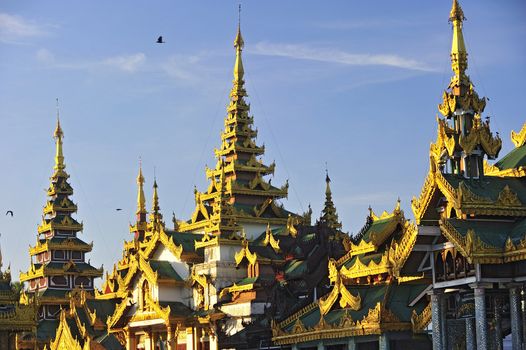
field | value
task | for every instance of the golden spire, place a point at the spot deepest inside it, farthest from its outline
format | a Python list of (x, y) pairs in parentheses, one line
[(59, 156), (155, 201), (239, 72), (459, 54), (141, 202)]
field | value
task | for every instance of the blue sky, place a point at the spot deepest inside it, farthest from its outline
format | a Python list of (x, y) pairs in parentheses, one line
[(351, 83)]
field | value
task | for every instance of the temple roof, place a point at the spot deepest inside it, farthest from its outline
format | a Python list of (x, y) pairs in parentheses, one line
[(381, 309), (514, 159), (165, 270)]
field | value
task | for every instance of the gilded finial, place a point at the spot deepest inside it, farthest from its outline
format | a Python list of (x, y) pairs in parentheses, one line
[(58, 135), (141, 202), (459, 60), (238, 44), (456, 12)]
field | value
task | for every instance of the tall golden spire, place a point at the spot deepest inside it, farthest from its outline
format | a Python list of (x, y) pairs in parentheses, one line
[(239, 71), (459, 54), (59, 156), (141, 202)]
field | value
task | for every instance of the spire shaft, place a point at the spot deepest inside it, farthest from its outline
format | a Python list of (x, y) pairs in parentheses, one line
[(59, 156), (141, 201), (459, 54)]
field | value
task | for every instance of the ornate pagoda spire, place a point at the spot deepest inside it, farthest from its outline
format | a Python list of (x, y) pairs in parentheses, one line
[(141, 201), (329, 214), (459, 54), (464, 140), (156, 218), (250, 197), (140, 221), (59, 156), (58, 252)]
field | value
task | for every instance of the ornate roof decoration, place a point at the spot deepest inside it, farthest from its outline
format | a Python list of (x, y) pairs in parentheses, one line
[(339, 289), (519, 138), (237, 186), (269, 239), (378, 320), (329, 215)]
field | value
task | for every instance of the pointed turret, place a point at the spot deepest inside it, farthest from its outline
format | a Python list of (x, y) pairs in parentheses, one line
[(140, 223), (329, 215), (58, 260), (465, 139), (250, 197), (459, 54), (156, 218)]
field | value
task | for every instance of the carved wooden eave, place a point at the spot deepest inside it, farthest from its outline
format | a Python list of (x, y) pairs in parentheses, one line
[(419, 206), (378, 320), (66, 205), (44, 271), (237, 289), (466, 202), (245, 253), (492, 170), (66, 224), (470, 101), (269, 239), (477, 251), (338, 290), (67, 244), (420, 321), (64, 338), (117, 314)]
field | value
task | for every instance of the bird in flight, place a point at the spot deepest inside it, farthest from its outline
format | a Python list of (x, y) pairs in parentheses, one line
[(160, 40), (118, 209), (9, 212)]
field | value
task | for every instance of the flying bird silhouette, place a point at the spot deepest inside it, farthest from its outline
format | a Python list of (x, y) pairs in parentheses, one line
[(9, 212), (118, 209), (160, 40)]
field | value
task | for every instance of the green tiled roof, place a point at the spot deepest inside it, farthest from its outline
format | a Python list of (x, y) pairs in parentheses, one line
[(80, 266), (103, 308), (493, 233), (381, 226), (164, 269), (516, 158), (56, 239), (296, 268), (186, 239), (490, 186), (397, 301), (176, 308)]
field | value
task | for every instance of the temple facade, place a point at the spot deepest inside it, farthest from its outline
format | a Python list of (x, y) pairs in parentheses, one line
[(245, 273)]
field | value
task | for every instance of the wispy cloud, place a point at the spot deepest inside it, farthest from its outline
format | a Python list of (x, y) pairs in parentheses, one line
[(305, 52), (182, 67), (13, 28), (128, 63), (45, 56)]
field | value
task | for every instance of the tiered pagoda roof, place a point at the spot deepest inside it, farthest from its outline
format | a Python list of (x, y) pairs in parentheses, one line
[(238, 192), (58, 259), (479, 207)]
